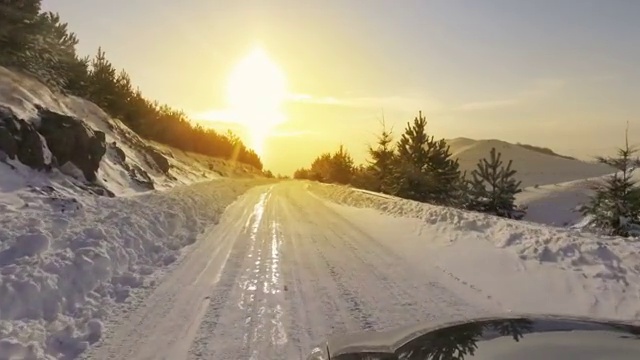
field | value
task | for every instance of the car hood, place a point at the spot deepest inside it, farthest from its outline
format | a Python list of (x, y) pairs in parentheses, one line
[(520, 336)]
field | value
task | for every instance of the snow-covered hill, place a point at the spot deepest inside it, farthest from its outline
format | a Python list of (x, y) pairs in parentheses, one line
[(534, 167), (71, 140)]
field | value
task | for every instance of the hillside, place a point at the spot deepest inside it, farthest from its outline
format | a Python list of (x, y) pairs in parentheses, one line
[(534, 166), (72, 143)]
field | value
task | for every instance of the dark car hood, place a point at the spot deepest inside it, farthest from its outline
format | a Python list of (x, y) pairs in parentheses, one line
[(498, 337)]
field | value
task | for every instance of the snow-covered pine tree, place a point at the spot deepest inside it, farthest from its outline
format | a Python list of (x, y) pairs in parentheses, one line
[(493, 188), (615, 206)]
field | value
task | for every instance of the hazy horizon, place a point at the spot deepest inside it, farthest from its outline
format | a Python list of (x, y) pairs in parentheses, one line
[(554, 74)]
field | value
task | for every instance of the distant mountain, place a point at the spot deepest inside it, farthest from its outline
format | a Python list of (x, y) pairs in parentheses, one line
[(535, 165)]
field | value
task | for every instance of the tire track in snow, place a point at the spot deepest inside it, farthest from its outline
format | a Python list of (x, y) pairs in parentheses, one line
[(223, 312), (404, 282), (252, 321)]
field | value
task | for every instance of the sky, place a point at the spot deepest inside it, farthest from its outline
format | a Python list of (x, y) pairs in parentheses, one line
[(555, 73)]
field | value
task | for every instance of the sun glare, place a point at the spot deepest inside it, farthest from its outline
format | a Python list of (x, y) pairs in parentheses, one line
[(257, 88)]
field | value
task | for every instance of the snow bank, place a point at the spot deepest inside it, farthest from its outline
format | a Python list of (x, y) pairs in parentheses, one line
[(67, 262), (531, 267)]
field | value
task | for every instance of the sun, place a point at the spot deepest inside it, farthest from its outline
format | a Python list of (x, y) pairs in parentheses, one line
[(256, 91)]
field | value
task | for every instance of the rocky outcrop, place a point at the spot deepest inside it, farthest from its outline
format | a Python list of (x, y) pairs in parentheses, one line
[(135, 172), (20, 139), (159, 159), (68, 139), (71, 140)]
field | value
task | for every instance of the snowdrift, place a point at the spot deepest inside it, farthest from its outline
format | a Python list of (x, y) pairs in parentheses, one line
[(67, 262), (534, 167), (528, 267)]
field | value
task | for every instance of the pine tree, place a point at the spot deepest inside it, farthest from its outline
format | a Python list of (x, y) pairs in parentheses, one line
[(445, 172), (425, 170), (102, 90), (615, 207), (382, 161), (18, 31), (493, 188), (341, 167), (411, 180)]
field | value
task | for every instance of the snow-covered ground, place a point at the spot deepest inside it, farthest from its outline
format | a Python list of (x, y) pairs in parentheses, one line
[(292, 263), (557, 204), (285, 266), (526, 267), (67, 263)]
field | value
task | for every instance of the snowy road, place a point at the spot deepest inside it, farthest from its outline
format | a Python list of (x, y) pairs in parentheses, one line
[(279, 273)]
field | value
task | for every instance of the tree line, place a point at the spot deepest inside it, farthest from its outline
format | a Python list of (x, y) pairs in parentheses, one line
[(420, 167), (40, 44)]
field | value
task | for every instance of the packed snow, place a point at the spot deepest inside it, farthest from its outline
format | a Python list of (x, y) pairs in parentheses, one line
[(293, 263), (534, 168)]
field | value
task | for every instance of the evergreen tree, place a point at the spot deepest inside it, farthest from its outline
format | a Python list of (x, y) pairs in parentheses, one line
[(444, 171), (382, 161), (615, 207), (364, 177), (336, 168), (425, 170), (341, 167), (493, 188), (18, 32), (411, 180), (102, 88)]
